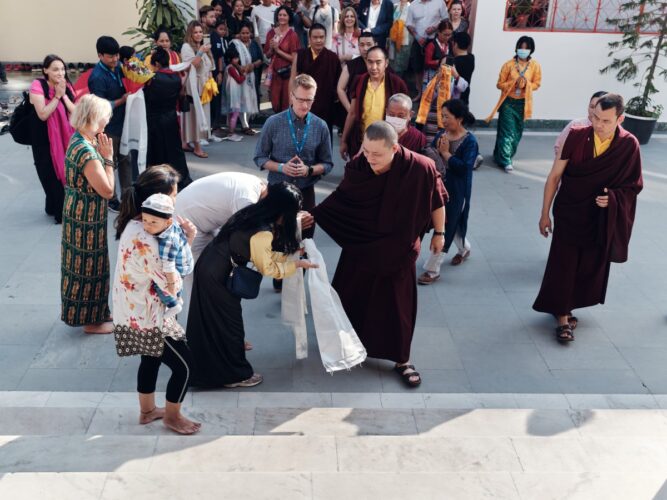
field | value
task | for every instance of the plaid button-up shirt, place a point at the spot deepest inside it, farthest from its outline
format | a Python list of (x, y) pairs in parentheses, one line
[(175, 252)]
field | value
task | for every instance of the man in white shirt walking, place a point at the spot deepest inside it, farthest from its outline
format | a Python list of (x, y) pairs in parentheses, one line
[(422, 22), (262, 17)]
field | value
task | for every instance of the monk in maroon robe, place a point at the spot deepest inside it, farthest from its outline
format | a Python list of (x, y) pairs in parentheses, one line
[(379, 229), (323, 65), (378, 74), (398, 115), (600, 176)]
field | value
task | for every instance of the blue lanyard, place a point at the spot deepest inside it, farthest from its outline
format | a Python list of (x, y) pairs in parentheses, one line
[(115, 75), (298, 145)]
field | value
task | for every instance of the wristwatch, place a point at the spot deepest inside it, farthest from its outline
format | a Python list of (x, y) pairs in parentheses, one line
[(310, 171), (438, 233)]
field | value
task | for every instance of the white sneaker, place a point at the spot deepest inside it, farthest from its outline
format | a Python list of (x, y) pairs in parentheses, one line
[(216, 139), (203, 142), (509, 169), (235, 138), (478, 162)]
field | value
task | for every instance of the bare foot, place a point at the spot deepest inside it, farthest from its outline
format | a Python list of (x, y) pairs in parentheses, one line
[(102, 328), (181, 425), (247, 345), (148, 417)]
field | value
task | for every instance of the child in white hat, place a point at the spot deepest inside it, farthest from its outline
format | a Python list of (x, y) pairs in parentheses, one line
[(157, 215)]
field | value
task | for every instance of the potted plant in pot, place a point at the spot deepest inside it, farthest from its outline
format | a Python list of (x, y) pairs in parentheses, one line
[(153, 14), (640, 57)]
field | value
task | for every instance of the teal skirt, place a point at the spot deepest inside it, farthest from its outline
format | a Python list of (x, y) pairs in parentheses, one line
[(510, 130)]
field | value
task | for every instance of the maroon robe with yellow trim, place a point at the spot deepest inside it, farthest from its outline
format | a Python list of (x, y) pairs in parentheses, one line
[(587, 238), (392, 85), (325, 70), (379, 229)]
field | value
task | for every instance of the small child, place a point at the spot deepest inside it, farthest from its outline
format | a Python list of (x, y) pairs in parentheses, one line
[(234, 78), (157, 216)]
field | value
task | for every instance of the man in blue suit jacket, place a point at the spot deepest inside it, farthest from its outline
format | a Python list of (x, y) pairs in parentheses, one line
[(377, 16)]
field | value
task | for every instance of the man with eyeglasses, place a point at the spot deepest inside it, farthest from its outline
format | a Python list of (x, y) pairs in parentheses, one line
[(295, 145)]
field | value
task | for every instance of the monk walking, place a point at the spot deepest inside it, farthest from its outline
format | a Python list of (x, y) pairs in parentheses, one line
[(598, 177), (378, 214)]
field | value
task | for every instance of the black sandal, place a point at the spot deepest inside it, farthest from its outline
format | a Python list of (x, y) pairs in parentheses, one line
[(401, 370), (572, 320), (564, 334)]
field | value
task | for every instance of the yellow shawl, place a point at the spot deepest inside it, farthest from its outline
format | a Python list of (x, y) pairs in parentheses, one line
[(507, 83), (209, 91), (443, 80), (396, 33)]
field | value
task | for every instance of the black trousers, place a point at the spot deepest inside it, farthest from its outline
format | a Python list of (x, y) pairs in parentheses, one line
[(178, 358), (53, 188), (308, 194)]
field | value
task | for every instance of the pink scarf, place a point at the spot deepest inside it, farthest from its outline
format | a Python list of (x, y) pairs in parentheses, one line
[(60, 132)]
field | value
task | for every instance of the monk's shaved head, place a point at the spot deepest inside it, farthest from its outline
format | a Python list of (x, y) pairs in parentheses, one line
[(402, 100), (382, 131)]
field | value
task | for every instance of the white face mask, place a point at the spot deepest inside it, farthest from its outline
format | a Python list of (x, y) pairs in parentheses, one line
[(399, 124)]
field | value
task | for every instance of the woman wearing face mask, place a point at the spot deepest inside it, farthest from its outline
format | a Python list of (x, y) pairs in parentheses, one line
[(458, 149), (519, 78), (53, 99)]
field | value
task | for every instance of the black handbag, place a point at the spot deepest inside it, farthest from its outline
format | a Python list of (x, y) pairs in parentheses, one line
[(243, 282), (184, 103), (284, 72)]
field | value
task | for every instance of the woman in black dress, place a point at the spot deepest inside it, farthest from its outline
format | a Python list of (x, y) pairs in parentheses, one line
[(264, 234), (164, 137)]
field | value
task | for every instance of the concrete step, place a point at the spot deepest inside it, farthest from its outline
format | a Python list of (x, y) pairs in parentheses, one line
[(330, 486), (89, 445)]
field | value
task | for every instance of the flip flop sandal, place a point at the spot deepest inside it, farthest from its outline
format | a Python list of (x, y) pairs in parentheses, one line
[(188, 150), (564, 334), (406, 376), (200, 155)]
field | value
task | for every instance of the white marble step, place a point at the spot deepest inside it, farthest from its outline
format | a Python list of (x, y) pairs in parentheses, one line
[(331, 486), (341, 422)]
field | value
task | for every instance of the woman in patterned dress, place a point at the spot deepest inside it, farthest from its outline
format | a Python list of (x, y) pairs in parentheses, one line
[(89, 176), (140, 327)]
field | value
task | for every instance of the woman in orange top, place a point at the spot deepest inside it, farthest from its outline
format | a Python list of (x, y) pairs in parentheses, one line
[(519, 78)]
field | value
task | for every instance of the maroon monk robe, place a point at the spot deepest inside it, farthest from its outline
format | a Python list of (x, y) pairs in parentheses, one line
[(378, 221), (587, 238), (413, 139), (393, 84), (325, 70)]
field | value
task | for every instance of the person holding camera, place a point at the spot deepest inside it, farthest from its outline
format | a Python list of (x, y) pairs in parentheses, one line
[(195, 126)]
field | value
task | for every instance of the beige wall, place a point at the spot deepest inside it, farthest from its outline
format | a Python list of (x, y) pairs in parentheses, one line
[(31, 29)]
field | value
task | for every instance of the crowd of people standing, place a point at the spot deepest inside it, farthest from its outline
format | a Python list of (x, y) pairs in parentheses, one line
[(181, 241)]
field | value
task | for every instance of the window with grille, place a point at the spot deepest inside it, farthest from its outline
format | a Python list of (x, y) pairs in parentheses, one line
[(588, 16)]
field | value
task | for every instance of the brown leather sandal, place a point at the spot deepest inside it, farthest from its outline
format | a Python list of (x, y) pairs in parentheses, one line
[(564, 334)]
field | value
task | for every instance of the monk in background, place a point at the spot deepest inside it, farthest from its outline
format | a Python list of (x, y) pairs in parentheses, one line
[(598, 177), (388, 198)]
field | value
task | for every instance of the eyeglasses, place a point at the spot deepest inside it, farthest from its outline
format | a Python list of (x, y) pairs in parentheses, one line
[(303, 101)]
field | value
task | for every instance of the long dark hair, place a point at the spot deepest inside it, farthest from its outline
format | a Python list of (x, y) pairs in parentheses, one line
[(459, 110), (283, 199), (157, 179)]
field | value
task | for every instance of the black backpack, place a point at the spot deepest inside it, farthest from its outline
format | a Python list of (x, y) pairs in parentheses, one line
[(21, 121)]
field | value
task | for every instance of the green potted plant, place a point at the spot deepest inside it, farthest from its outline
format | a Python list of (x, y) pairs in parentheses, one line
[(153, 14), (638, 56)]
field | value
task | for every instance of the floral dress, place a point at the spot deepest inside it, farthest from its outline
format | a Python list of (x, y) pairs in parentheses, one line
[(84, 253), (136, 306)]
